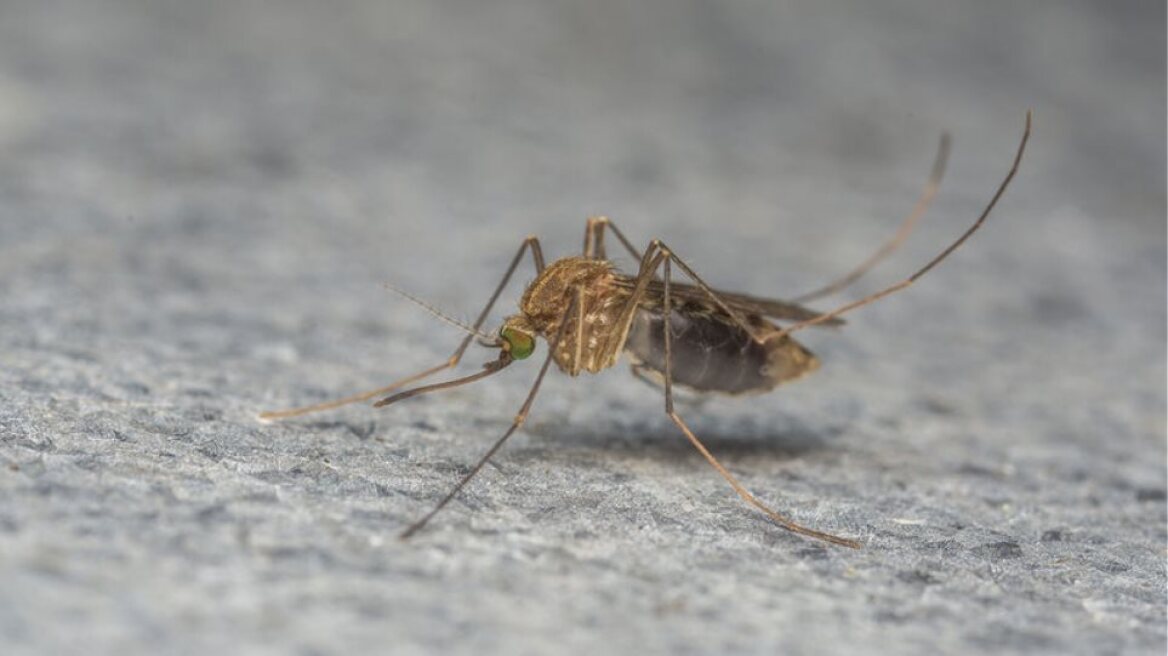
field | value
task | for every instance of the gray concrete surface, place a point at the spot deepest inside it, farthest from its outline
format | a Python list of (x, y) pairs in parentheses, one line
[(199, 203)]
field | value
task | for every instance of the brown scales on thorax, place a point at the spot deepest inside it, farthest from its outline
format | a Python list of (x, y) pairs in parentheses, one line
[(547, 299), (602, 294)]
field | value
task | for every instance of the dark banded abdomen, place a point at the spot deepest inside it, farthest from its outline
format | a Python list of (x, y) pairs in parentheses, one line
[(713, 354)]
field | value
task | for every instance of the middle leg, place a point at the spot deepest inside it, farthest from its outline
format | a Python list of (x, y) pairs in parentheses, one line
[(594, 238), (781, 520)]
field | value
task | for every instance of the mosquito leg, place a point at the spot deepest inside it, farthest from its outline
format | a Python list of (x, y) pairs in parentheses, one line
[(355, 398), (651, 261), (902, 233), (656, 380), (579, 351), (655, 254), (530, 243), (782, 521), (594, 238), (520, 418), (827, 316), (646, 375), (658, 245)]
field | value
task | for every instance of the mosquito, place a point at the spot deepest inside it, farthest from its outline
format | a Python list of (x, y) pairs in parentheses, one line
[(676, 334)]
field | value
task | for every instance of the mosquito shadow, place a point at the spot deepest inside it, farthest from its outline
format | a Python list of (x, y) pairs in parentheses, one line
[(663, 440)]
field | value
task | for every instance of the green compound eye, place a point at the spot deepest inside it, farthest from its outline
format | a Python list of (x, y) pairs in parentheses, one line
[(519, 345)]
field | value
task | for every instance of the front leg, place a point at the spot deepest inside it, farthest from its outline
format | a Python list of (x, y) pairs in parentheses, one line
[(529, 244)]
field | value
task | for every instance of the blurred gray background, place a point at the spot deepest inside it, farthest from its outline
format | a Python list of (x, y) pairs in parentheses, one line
[(199, 202)]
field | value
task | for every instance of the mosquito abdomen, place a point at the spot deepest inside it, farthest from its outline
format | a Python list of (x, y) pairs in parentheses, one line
[(713, 354)]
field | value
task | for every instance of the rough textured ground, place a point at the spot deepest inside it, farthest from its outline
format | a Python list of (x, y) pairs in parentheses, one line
[(200, 201)]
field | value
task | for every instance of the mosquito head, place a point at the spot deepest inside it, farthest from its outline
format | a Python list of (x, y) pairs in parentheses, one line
[(517, 337)]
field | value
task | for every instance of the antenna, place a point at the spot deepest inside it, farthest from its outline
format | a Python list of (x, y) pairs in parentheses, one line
[(439, 313)]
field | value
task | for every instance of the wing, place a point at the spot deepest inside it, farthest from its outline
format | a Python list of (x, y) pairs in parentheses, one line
[(683, 293)]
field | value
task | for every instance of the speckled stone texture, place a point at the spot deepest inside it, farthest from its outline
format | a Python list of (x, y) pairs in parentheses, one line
[(199, 202)]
